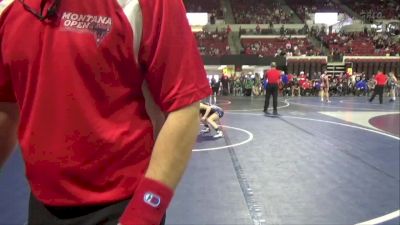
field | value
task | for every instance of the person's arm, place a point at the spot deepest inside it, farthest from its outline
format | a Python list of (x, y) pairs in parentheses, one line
[(169, 159), (177, 81), (208, 110), (8, 129), (170, 156), (171, 152)]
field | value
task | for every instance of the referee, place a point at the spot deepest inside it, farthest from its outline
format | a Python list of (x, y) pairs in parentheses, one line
[(381, 81), (273, 77)]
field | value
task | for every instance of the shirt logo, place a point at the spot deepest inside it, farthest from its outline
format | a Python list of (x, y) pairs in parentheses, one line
[(152, 199), (99, 26)]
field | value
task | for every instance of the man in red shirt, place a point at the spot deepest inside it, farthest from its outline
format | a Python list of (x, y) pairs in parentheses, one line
[(86, 83), (302, 78), (273, 76), (381, 80), (306, 87)]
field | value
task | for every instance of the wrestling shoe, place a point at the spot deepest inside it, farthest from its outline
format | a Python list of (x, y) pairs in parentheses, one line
[(218, 135), (205, 130)]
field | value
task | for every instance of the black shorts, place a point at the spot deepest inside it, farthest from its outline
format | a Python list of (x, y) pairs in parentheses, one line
[(215, 90), (217, 111), (220, 113), (212, 112), (109, 214)]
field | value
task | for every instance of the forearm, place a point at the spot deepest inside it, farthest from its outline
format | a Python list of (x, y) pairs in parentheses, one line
[(8, 130), (168, 162), (207, 113), (173, 146)]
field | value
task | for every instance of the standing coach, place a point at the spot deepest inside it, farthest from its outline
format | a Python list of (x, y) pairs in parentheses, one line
[(273, 77)]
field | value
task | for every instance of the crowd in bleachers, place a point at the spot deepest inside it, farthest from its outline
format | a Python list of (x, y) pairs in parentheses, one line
[(348, 44), (259, 12), (304, 7), (272, 31), (360, 44), (271, 12), (371, 10), (385, 45), (213, 43), (210, 6), (283, 46), (339, 44)]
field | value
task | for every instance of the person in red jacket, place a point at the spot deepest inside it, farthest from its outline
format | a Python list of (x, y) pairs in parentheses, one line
[(87, 85), (381, 80), (273, 76)]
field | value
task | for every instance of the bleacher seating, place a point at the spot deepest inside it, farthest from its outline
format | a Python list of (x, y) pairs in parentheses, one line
[(349, 44), (358, 44), (212, 43), (278, 46), (271, 12), (385, 45), (374, 9), (304, 7), (258, 12), (209, 6)]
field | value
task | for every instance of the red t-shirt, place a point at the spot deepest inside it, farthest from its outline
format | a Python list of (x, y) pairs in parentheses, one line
[(273, 76), (290, 77), (306, 85), (84, 132), (381, 79), (302, 79)]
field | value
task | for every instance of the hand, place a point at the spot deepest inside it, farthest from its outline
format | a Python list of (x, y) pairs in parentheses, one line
[(203, 119)]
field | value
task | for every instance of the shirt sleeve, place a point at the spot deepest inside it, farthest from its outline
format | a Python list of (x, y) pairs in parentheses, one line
[(168, 53), (6, 90)]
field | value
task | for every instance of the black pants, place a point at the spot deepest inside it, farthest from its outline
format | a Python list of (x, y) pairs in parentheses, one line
[(378, 91), (272, 89), (39, 214)]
